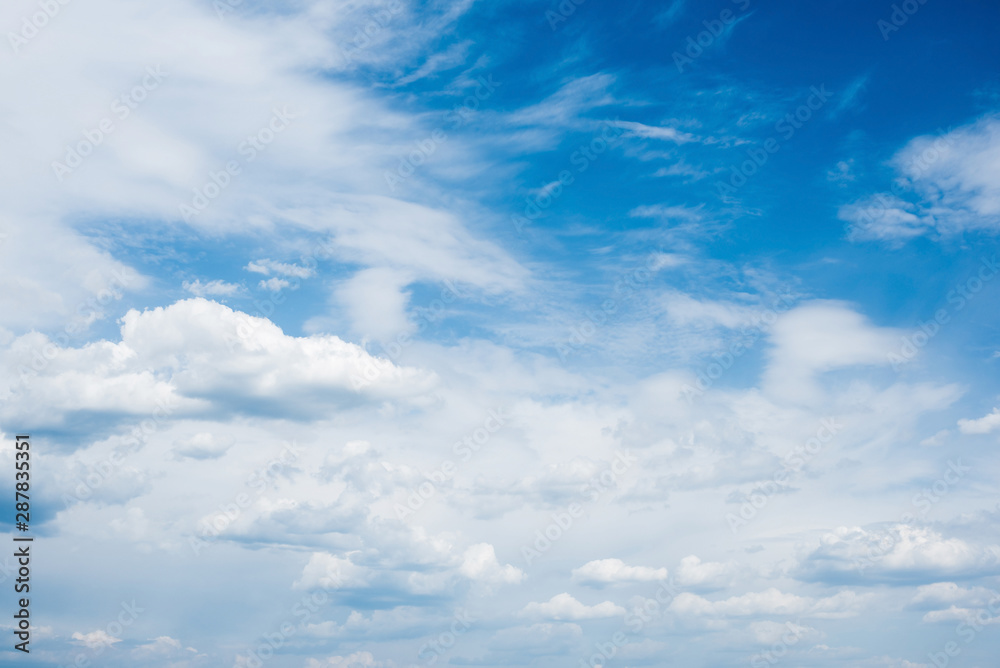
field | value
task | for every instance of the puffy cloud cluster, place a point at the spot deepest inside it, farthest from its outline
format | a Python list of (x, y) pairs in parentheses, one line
[(198, 357)]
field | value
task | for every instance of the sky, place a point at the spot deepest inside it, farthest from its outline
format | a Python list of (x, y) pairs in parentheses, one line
[(553, 333)]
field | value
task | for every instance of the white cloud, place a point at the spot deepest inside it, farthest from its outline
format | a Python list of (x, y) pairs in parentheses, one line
[(274, 284), (95, 639), (937, 439), (821, 336), (433, 245), (211, 289), (945, 593), (213, 350), (842, 172), (196, 354), (983, 425), (883, 217), (613, 571), (898, 553), (236, 386), (770, 602), (564, 108), (684, 310), (268, 267), (480, 563), (975, 617), (958, 174), (376, 303), (677, 213), (693, 572), (191, 123), (656, 132), (956, 182), (328, 571), (565, 607), (453, 56)]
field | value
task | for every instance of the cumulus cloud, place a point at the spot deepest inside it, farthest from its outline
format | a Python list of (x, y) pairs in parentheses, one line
[(944, 593), (695, 573), (983, 425), (480, 563), (328, 571), (565, 607), (614, 571), (900, 553), (198, 355)]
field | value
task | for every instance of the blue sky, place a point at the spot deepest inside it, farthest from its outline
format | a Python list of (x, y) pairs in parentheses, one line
[(392, 334)]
